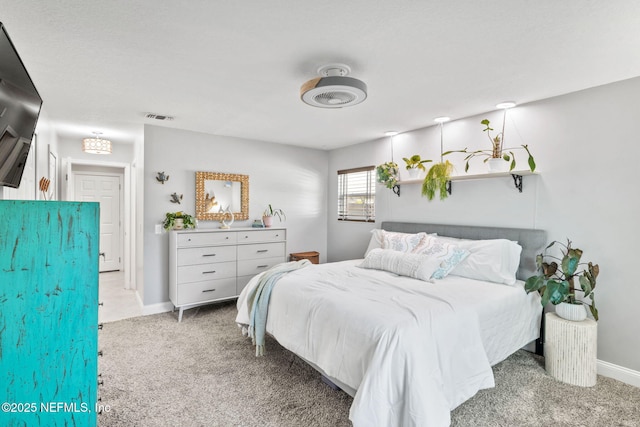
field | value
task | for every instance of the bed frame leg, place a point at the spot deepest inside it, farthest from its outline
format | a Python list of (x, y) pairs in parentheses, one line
[(540, 341)]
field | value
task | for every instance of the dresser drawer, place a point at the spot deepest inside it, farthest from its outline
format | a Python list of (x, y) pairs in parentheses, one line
[(206, 255), (200, 272), (191, 293), (255, 266), (261, 250), (253, 236), (203, 239)]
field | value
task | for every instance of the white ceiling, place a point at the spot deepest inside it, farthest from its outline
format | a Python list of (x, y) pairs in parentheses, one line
[(235, 67)]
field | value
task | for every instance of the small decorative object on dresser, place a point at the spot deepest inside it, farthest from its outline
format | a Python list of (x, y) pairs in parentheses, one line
[(212, 265), (269, 213), (556, 282), (178, 221)]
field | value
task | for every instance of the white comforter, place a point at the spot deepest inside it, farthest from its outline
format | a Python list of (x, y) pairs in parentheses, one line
[(413, 350)]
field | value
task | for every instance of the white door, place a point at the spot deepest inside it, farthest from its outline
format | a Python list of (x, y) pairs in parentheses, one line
[(106, 190)]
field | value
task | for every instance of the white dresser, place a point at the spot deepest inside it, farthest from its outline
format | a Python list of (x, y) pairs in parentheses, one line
[(207, 265)]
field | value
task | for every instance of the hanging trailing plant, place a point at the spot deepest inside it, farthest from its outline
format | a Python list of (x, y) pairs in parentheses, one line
[(436, 180), (388, 174)]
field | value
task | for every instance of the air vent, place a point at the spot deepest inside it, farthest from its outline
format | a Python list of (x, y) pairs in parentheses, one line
[(157, 116)]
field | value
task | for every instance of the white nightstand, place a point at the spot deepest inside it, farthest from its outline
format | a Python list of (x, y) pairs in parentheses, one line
[(570, 350)]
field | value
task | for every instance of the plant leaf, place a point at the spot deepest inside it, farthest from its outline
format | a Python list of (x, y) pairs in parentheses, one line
[(530, 160), (585, 284), (533, 283), (570, 261), (549, 269), (556, 291)]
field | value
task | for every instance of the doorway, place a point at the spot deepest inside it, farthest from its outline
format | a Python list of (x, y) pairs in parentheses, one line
[(105, 188), (109, 183)]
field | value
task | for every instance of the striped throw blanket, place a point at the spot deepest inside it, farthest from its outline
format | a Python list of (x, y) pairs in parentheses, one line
[(259, 300)]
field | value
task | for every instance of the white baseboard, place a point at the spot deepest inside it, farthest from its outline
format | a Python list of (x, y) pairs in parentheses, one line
[(162, 307), (619, 373)]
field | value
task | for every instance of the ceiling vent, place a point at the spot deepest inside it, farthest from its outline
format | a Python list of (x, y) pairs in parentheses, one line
[(333, 89), (157, 116)]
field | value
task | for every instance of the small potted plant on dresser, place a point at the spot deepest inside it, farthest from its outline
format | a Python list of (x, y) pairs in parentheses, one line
[(178, 221), (269, 213), (556, 282)]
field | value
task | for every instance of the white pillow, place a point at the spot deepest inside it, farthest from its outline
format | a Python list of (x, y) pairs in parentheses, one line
[(494, 260), (375, 241), (447, 254), (401, 242), (404, 264)]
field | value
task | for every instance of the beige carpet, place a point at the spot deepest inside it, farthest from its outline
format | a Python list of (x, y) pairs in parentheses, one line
[(203, 372)]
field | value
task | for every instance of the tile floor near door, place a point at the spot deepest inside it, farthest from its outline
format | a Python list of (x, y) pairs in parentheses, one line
[(118, 303)]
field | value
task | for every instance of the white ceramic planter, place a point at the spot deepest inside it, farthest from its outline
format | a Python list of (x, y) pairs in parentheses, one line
[(414, 173), (178, 224), (498, 165), (575, 312)]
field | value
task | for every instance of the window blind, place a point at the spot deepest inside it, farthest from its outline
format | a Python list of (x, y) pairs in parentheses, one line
[(357, 194)]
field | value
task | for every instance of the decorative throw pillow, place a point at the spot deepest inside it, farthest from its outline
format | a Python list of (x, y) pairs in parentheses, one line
[(448, 255), (401, 242), (404, 264)]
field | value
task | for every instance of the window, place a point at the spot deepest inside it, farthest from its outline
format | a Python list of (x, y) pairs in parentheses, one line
[(357, 194)]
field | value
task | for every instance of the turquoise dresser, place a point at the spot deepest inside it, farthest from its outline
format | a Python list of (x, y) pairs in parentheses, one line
[(48, 313)]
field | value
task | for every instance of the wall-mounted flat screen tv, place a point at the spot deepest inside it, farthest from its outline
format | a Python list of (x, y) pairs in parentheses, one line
[(20, 106)]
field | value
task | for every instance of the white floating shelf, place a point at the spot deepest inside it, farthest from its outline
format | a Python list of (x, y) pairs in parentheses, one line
[(515, 174)]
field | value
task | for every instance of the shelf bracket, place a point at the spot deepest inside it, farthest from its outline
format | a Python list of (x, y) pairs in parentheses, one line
[(517, 181), (448, 187), (396, 190)]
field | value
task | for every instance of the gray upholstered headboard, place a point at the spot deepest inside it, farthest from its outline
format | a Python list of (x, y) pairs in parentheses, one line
[(533, 242)]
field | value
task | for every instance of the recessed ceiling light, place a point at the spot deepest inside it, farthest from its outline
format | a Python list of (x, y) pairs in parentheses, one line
[(506, 104), (391, 133), (443, 119)]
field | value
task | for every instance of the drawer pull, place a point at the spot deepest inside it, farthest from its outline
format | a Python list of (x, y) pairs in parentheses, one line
[(208, 254), (263, 266), (262, 251), (208, 272), (208, 290)]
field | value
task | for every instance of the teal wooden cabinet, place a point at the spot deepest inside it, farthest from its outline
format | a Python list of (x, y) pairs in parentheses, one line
[(48, 313)]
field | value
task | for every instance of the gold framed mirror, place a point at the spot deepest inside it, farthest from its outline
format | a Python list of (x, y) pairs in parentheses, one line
[(217, 192)]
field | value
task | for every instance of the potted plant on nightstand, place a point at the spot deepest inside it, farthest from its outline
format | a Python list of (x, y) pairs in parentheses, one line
[(178, 221), (556, 282), (415, 164), (269, 213)]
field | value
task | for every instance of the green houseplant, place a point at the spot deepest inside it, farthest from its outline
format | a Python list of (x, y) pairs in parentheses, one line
[(497, 150), (414, 164), (556, 282), (269, 213), (178, 220), (388, 174), (436, 180)]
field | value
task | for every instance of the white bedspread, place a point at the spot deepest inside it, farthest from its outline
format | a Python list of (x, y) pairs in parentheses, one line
[(413, 350)]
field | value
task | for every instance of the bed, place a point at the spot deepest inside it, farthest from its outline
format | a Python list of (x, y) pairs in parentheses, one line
[(409, 351)]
